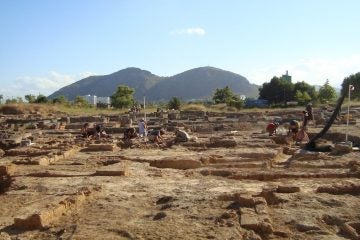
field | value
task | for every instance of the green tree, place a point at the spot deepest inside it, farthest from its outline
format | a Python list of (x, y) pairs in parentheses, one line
[(30, 98), (174, 103), (303, 87), (326, 92), (1, 98), (226, 95), (60, 100), (123, 97), (236, 103), (81, 102), (354, 80), (12, 100), (278, 90), (223, 95), (302, 97), (41, 99)]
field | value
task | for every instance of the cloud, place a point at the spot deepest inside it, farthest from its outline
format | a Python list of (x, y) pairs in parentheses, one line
[(46, 84), (189, 31), (314, 71)]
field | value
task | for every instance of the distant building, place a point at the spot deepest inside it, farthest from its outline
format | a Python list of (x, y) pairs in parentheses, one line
[(94, 100), (91, 99), (286, 76), (242, 97)]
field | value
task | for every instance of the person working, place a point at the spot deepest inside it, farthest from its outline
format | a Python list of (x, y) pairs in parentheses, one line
[(271, 128), (156, 136)]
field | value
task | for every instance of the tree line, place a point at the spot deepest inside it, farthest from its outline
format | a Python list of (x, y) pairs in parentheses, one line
[(278, 91)]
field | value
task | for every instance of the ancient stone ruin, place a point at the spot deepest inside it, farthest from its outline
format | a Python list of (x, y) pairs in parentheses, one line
[(230, 180)]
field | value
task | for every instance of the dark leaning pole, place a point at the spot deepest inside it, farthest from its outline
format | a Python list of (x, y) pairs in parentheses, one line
[(311, 145)]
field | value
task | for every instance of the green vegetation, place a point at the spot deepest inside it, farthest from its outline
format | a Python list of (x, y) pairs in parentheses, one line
[(354, 80), (302, 97), (226, 95), (174, 103), (326, 93), (81, 102), (223, 100), (278, 90), (36, 99), (61, 100), (123, 97)]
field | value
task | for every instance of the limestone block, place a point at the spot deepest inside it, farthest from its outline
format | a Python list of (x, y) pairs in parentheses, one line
[(261, 208), (252, 222)]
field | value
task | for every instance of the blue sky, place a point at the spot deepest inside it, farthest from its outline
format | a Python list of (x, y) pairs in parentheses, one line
[(45, 45)]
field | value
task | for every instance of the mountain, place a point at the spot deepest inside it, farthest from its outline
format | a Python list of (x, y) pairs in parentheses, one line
[(106, 85), (198, 83)]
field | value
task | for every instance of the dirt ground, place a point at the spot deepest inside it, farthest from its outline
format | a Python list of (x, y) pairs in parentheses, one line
[(228, 184)]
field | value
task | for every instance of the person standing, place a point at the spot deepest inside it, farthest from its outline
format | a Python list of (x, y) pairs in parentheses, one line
[(309, 110), (142, 128)]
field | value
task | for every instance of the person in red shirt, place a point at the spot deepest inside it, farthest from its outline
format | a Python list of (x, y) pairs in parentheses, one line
[(271, 128)]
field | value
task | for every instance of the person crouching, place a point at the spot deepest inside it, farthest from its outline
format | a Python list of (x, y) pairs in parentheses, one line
[(156, 136)]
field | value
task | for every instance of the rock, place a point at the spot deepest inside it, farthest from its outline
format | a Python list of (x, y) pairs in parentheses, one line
[(271, 197), (2, 153), (282, 233), (7, 169), (347, 230), (243, 199), (340, 188), (341, 148), (261, 208), (4, 236), (165, 199), (305, 227), (159, 215), (251, 235), (249, 220)]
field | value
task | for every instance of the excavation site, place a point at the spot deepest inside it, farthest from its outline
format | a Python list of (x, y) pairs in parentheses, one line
[(229, 180)]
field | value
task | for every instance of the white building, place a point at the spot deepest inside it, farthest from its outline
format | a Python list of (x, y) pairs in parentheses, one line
[(91, 99), (94, 100)]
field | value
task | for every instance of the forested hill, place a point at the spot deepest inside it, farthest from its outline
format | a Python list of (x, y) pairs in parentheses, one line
[(198, 83)]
